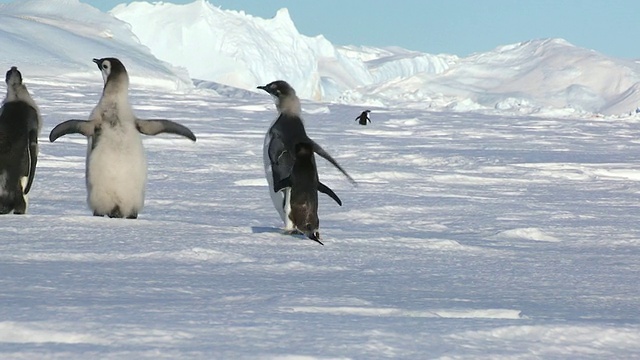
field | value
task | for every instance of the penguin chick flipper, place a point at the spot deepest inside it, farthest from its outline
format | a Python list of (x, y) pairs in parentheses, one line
[(325, 190), (320, 151), (32, 153), (157, 126), (284, 183), (73, 126)]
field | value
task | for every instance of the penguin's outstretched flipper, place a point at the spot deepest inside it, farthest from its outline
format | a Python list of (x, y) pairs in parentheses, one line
[(158, 126), (72, 126)]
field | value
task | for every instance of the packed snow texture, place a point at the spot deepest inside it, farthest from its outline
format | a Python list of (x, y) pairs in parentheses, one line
[(62, 37), (468, 236), (549, 76)]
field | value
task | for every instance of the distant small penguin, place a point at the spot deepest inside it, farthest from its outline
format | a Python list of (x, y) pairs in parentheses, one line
[(364, 117), (304, 185), (116, 166), (20, 124), (279, 153)]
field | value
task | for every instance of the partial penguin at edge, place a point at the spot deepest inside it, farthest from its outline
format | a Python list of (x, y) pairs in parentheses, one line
[(20, 124)]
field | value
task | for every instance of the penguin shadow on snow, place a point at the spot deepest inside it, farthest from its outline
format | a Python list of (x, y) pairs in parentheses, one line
[(116, 166), (265, 230), (20, 124), (277, 230), (290, 168)]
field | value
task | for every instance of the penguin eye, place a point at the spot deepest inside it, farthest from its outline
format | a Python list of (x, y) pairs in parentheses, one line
[(105, 66)]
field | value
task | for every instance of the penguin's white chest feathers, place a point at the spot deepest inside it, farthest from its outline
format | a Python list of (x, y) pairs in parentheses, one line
[(279, 199), (116, 166)]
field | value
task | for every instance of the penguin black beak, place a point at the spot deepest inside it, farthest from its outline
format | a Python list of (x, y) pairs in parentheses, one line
[(97, 61), (267, 89), (315, 237), (13, 73)]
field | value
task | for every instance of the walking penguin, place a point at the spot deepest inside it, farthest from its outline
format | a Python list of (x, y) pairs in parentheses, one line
[(364, 117), (286, 146)]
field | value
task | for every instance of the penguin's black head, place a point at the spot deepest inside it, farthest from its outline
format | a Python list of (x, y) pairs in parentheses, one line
[(110, 66), (314, 235), (278, 88), (13, 76)]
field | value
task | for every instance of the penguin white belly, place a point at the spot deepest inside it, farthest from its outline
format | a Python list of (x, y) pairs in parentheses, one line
[(116, 172), (23, 185), (276, 197), (280, 199)]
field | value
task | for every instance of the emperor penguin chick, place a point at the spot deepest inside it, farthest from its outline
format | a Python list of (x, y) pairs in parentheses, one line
[(279, 150), (20, 125), (116, 166)]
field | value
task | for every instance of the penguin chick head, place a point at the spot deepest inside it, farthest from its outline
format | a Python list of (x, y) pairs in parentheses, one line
[(278, 89), (111, 69), (13, 77), (16, 90), (313, 235), (284, 96)]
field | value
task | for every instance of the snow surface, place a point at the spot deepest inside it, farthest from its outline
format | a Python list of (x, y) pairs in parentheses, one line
[(545, 76), (62, 37), (469, 236)]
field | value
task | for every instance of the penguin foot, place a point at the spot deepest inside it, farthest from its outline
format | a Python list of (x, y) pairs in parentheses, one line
[(20, 207), (116, 213)]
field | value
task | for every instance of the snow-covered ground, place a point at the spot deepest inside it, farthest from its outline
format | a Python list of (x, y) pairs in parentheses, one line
[(469, 236)]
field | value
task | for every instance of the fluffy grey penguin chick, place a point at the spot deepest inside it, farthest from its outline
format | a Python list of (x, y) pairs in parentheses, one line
[(20, 124), (279, 152), (116, 166)]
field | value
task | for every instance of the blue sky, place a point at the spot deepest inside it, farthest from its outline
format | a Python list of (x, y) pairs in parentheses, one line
[(459, 27)]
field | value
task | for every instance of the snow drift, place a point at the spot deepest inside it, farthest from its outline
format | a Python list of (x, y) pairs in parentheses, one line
[(241, 50), (45, 38), (527, 77), (168, 45), (244, 51)]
